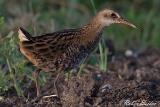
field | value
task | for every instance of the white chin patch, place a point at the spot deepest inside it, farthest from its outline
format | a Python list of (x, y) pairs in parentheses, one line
[(21, 36)]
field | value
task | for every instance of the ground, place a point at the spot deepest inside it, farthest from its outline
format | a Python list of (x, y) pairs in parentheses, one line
[(129, 81)]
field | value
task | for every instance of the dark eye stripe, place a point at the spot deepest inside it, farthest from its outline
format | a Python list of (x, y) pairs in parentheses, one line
[(105, 15)]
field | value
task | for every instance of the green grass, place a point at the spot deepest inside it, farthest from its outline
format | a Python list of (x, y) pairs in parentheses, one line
[(41, 16), (13, 64)]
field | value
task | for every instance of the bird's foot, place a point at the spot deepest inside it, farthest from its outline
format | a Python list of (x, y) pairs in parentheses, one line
[(49, 96)]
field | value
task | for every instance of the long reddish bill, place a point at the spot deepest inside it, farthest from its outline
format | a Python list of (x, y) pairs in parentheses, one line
[(121, 20)]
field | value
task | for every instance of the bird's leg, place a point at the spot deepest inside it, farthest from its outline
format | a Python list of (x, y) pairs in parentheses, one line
[(36, 75), (55, 84)]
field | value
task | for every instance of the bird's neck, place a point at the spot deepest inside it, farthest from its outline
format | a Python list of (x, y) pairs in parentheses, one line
[(95, 26), (92, 32)]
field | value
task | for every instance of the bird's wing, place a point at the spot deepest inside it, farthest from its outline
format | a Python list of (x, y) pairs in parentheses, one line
[(54, 46), (49, 46)]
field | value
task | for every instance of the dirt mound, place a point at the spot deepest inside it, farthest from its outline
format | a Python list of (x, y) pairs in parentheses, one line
[(132, 81)]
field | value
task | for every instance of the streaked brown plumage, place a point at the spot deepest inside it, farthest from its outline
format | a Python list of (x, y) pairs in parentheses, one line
[(64, 50)]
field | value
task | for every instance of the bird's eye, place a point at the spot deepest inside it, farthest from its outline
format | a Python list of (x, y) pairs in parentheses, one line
[(113, 15)]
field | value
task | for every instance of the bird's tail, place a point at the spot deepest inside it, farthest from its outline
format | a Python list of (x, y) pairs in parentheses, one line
[(24, 35)]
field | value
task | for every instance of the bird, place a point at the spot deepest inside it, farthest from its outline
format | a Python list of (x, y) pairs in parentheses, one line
[(61, 51)]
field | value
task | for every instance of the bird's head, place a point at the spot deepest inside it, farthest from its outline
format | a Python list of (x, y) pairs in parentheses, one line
[(109, 16)]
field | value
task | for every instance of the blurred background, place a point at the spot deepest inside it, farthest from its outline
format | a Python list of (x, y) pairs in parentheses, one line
[(42, 16)]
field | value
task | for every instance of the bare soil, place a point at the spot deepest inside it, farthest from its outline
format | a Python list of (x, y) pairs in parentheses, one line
[(129, 81)]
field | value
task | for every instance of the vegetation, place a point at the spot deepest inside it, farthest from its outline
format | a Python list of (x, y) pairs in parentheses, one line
[(39, 16)]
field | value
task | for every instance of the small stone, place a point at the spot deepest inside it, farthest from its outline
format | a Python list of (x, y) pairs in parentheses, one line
[(129, 53), (108, 86), (99, 75)]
